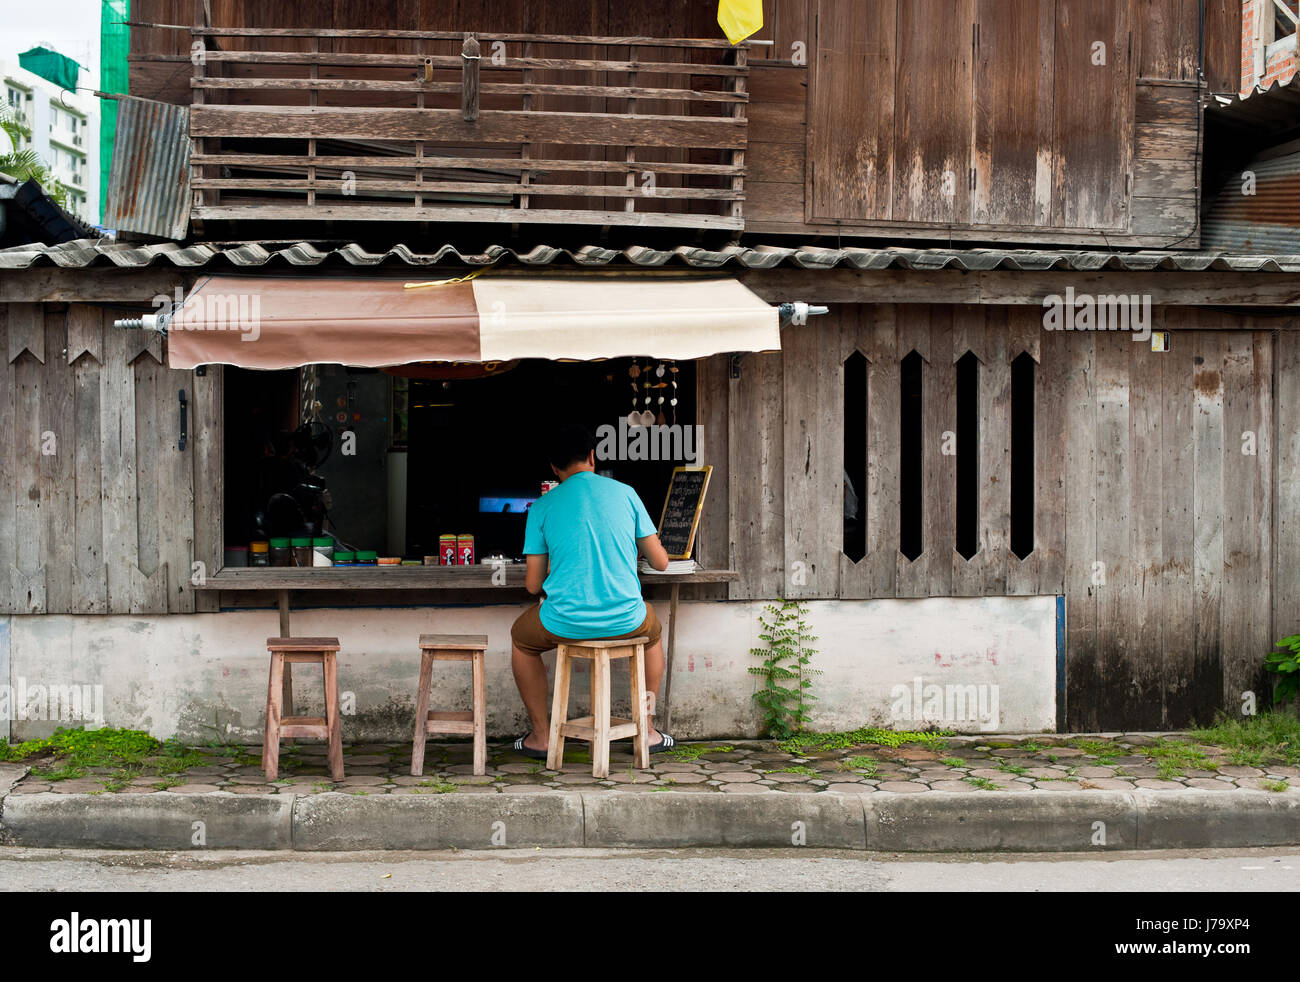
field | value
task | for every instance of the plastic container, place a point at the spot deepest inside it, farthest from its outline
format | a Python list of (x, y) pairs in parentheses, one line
[(344, 558), (281, 552), (237, 556), (259, 553), (390, 562), (367, 557), (324, 549), (302, 552)]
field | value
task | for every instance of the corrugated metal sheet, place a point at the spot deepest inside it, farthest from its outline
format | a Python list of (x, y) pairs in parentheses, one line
[(1266, 220), (1273, 110), (149, 185), (244, 255)]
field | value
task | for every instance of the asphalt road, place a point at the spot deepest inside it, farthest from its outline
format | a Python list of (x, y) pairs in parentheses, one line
[(1249, 871)]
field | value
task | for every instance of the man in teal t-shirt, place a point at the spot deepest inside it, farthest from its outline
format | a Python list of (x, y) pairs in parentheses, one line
[(581, 543)]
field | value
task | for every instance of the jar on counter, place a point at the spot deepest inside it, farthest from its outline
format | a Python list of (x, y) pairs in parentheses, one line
[(345, 558), (367, 557), (259, 553), (323, 547), (237, 556), (281, 552), (302, 552)]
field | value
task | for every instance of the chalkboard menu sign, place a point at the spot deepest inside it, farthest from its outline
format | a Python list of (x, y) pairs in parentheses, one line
[(682, 510)]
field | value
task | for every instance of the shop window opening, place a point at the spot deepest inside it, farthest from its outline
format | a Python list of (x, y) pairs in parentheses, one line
[(389, 463)]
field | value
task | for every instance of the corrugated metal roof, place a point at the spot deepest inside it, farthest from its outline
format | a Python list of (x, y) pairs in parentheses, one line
[(149, 185), (1264, 217), (252, 255), (1273, 108)]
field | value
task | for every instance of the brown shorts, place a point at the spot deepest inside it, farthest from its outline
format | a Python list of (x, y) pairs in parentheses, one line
[(530, 635)]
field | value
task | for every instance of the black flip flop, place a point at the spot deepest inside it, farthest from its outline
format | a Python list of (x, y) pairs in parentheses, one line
[(665, 743), (519, 748)]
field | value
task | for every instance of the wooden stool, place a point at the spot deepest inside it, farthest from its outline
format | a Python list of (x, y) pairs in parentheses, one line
[(451, 647), (315, 651), (598, 728)]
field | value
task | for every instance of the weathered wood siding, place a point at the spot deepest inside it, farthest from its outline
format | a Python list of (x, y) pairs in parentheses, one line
[(97, 503), (1063, 121), (988, 119), (159, 59), (1154, 479)]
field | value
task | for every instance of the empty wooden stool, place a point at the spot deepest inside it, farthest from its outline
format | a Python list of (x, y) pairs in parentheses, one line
[(598, 728), (451, 647), (315, 651)]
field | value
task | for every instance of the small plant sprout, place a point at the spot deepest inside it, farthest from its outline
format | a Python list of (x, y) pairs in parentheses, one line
[(787, 680)]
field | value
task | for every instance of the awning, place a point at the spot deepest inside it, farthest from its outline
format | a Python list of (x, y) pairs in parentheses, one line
[(285, 322)]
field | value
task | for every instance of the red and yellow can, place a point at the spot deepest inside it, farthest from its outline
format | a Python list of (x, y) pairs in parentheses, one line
[(447, 549), (465, 550)]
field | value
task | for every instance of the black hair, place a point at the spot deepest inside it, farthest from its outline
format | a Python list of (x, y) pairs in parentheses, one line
[(569, 444)]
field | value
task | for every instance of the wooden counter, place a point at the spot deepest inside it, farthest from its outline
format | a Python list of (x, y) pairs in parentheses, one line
[(478, 577)]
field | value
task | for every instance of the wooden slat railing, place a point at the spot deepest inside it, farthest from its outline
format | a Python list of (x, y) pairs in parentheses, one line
[(540, 128)]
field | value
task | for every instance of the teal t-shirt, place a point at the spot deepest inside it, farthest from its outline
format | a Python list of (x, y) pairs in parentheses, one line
[(588, 526)]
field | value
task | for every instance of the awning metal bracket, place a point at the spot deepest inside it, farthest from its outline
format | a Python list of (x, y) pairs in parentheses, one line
[(796, 313)]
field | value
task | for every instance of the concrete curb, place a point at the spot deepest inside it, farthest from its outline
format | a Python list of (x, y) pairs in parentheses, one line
[(333, 821), (992, 821), (147, 821), (978, 821), (649, 820)]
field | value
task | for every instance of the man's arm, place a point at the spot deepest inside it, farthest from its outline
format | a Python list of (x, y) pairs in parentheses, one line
[(656, 555), (535, 573)]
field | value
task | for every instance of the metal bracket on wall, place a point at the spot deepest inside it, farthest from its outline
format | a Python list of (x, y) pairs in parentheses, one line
[(790, 313)]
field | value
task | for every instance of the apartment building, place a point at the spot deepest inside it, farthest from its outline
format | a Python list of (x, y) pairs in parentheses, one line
[(64, 131)]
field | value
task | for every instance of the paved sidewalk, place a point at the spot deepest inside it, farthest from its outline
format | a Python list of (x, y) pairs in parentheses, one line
[(1055, 764), (1105, 792)]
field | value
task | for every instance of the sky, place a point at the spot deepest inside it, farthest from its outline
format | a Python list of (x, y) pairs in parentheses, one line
[(70, 26)]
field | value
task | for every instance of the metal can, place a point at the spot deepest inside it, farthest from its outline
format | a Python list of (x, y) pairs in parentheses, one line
[(465, 550), (447, 550), (549, 486)]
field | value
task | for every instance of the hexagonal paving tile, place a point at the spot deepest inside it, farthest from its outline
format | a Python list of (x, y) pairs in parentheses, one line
[(902, 787)]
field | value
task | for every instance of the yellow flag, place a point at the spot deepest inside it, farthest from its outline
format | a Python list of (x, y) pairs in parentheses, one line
[(740, 18)]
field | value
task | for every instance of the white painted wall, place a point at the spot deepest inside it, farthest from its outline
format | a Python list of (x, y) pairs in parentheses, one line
[(190, 674)]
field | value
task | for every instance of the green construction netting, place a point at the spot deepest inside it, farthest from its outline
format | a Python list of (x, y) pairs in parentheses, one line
[(51, 66), (114, 43)]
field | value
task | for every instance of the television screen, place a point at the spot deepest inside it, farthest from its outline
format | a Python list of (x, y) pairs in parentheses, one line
[(504, 504)]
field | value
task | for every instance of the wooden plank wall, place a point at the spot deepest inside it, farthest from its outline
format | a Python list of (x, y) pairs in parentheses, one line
[(96, 502), (1166, 157), (160, 65), (1148, 516), (1286, 481), (1223, 46), (1065, 184), (1063, 150), (1093, 114)]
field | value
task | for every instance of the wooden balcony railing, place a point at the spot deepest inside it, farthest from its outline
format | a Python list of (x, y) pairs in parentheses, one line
[(438, 126)]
